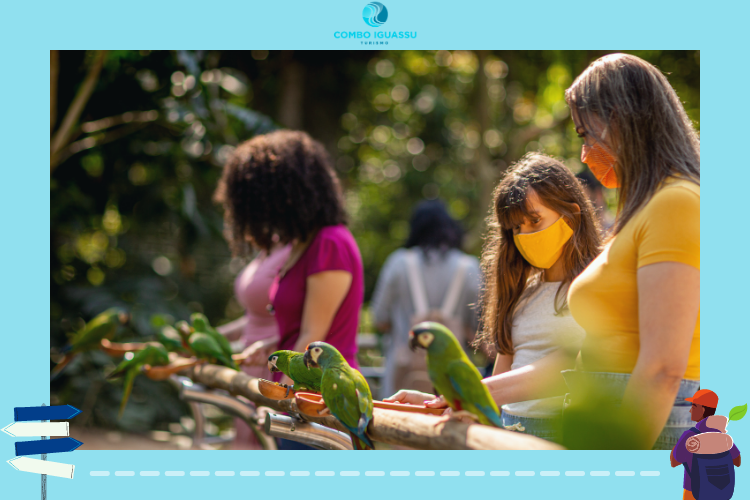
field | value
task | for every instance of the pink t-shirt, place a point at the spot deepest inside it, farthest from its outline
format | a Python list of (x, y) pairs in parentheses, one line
[(333, 249), (252, 288)]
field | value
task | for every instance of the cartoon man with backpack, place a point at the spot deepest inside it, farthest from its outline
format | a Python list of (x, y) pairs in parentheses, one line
[(706, 451)]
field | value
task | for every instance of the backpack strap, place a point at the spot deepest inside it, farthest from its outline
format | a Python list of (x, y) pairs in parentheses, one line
[(416, 284), (456, 287)]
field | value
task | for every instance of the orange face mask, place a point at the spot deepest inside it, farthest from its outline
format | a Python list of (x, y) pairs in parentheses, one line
[(601, 163)]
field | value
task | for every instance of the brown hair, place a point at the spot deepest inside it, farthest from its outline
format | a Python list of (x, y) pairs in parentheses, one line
[(652, 137), (506, 272), (279, 183)]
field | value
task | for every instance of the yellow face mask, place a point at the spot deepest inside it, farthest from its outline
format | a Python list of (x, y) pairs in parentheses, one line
[(543, 248)]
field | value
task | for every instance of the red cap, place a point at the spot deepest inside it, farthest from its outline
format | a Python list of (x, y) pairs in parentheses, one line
[(704, 397)]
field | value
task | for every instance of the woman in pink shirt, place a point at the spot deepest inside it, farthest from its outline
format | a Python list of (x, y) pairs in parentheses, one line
[(257, 328), (283, 184)]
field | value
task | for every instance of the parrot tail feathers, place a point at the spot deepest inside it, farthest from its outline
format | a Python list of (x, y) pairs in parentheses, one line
[(129, 379), (491, 416), (361, 442)]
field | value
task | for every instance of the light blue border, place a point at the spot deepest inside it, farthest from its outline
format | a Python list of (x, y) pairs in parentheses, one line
[(719, 29)]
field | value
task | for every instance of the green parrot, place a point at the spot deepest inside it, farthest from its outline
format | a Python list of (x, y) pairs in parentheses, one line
[(205, 347), (452, 374), (345, 391), (171, 339), (104, 325), (201, 324), (292, 365), (152, 354)]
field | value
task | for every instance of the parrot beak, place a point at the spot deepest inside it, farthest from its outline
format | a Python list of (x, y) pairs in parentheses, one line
[(272, 366), (413, 344), (307, 359)]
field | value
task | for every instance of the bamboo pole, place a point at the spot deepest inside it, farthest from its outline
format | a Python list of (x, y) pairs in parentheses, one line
[(392, 427)]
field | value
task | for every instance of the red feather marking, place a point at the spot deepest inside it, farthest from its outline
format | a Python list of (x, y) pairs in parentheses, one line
[(458, 405)]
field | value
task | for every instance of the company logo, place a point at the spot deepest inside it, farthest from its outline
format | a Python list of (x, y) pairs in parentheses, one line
[(375, 14)]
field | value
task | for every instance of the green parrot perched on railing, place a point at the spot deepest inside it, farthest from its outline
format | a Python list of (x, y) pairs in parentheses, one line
[(201, 325), (204, 346), (171, 339), (453, 374), (152, 354), (292, 365), (344, 390), (102, 326)]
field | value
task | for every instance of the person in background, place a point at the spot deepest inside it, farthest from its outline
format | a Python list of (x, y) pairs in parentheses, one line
[(257, 329), (283, 184), (542, 234), (595, 192), (639, 300), (430, 264)]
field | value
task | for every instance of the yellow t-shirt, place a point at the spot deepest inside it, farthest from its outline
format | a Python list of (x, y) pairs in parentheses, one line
[(603, 299)]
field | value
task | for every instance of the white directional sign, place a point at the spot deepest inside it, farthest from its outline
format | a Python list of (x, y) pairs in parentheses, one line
[(42, 467), (19, 429)]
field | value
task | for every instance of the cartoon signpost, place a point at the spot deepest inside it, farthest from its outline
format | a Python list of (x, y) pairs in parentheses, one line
[(34, 421)]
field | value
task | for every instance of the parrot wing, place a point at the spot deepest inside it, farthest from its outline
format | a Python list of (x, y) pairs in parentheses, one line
[(468, 384), (303, 377), (350, 401)]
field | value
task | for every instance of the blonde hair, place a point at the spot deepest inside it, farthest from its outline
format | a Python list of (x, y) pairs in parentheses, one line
[(652, 137)]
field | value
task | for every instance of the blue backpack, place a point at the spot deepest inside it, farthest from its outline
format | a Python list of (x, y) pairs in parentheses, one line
[(711, 476)]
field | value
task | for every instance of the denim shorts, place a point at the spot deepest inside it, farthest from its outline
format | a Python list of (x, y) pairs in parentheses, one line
[(613, 386), (545, 428)]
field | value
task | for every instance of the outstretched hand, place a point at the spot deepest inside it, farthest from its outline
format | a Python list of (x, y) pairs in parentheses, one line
[(256, 354)]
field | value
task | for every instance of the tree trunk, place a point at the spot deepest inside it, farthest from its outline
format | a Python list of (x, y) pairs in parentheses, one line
[(292, 92)]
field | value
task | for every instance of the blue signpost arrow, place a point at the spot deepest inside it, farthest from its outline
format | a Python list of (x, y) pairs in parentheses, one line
[(46, 446), (62, 412)]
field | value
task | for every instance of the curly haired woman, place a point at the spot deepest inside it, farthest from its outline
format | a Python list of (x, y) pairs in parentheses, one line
[(279, 189)]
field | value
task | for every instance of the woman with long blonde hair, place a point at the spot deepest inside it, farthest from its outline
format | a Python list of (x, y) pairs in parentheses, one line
[(639, 301)]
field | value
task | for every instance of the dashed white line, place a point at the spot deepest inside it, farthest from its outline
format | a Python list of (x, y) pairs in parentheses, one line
[(377, 473)]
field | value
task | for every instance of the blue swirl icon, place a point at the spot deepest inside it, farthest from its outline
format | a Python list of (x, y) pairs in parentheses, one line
[(375, 14)]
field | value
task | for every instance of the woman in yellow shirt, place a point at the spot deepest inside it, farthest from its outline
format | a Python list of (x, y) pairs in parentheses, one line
[(639, 300)]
